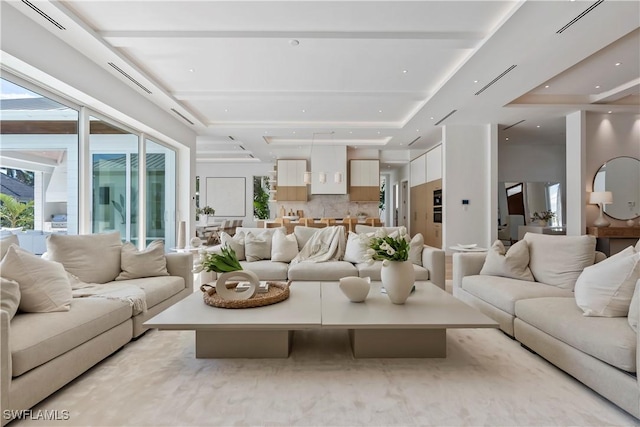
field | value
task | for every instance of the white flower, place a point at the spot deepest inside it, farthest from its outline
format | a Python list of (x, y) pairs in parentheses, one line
[(370, 252), (384, 246), (402, 231), (391, 251), (381, 232), (385, 262)]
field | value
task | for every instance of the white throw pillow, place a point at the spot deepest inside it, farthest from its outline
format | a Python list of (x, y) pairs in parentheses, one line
[(9, 296), (136, 264), (634, 311), (6, 241), (284, 247), (559, 260), (513, 264), (94, 258), (44, 285), (355, 249), (415, 249), (235, 242), (257, 247), (605, 289)]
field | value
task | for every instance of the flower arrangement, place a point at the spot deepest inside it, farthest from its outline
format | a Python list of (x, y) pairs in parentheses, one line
[(542, 216), (387, 247), (223, 262)]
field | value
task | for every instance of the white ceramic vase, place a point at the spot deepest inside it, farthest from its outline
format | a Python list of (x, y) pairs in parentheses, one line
[(355, 288), (397, 278)]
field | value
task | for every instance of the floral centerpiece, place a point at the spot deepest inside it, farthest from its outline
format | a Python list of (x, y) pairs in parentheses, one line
[(543, 216), (387, 247)]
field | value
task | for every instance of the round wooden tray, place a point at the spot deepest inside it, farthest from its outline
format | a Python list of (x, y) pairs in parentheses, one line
[(278, 291)]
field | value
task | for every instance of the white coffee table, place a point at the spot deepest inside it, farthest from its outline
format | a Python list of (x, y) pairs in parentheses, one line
[(261, 332), (377, 328), (417, 328)]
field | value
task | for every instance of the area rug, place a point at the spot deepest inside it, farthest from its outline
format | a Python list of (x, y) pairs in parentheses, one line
[(486, 379)]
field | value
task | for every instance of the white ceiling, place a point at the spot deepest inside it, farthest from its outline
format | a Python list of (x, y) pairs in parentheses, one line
[(378, 73)]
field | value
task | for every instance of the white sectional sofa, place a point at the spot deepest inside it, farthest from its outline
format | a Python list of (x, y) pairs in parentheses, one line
[(431, 265), (40, 352), (601, 352)]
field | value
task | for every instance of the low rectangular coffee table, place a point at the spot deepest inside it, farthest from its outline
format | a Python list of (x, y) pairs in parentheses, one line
[(417, 328), (261, 332)]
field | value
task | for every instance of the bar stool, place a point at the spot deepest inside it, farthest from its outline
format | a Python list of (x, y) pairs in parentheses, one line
[(350, 224), (374, 222), (306, 221), (328, 221)]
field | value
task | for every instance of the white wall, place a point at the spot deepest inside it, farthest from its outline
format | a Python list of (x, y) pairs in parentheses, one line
[(469, 172)]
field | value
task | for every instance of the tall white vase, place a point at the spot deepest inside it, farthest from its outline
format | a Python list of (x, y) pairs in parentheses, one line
[(397, 278)]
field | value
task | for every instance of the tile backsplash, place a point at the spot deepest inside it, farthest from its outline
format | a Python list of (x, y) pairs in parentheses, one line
[(332, 206)]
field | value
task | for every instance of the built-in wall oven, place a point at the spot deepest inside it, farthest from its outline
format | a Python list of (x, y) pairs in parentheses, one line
[(437, 214), (437, 197)]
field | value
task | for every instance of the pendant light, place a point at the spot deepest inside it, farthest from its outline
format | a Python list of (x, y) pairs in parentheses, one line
[(307, 174)]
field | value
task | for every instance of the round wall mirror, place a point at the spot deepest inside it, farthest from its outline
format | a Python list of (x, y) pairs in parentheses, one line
[(621, 176)]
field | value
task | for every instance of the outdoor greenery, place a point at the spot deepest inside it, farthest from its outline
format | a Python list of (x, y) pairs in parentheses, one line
[(15, 214), (260, 197), (382, 195)]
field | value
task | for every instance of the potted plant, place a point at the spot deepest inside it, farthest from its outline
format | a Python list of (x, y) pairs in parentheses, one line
[(543, 217), (203, 214)]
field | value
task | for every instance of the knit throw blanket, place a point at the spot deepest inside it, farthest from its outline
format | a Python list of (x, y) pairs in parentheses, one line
[(131, 294), (326, 244)]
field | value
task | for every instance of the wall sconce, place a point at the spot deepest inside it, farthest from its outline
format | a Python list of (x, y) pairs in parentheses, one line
[(337, 177), (323, 178), (601, 198), (307, 177)]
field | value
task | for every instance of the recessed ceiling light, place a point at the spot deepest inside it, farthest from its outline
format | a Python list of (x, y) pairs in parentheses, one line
[(431, 118), (192, 70), (266, 132), (294, 132), (225, 110), (294, 42), (506, 139), (618, 64), (546, 86), (609, 112), (538, 126), (400, 143), (405, 71), (417, 130), (379, 111), (598, 87), (350, 131), (378, 132), (475, 81), (304, 111)]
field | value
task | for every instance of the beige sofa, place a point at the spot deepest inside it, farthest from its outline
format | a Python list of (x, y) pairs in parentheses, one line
[(41, 352), (601, 352), (431, 266)]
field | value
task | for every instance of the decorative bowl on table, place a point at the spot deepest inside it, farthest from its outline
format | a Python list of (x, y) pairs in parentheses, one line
[(467, 245)]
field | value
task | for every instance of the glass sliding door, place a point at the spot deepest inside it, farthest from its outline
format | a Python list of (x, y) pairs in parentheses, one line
[(38, 163), (114, 181), (161, 194)]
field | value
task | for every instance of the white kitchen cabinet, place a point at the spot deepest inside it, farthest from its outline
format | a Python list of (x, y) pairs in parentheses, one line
[(434, 164), (364, 180)]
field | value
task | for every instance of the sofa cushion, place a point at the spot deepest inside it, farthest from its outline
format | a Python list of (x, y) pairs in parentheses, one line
[(605, 338), (94, 258), (9, 296), (284, 247), (559, 260), (317, 271), (513, 263), (360, 228), (44, 284), (235, 242), (267, 269), (373, 271), (606, 288), (157, 289), (36, 338), (257, 246), (634, 310), (147, 263), (5, 242), (502, 292)]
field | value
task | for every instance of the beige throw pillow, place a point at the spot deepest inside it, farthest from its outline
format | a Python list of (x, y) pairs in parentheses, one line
[(5, 242), (136, 264), (9, 296), (513, 264), (605, 289), (284, 247), (94, 258), (415, 249), (559, 260), (257, 247), (44, 285), (235, 242)]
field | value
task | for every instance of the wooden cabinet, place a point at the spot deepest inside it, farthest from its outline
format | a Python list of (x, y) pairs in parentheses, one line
[(422, 213), (364, 180), (290, 180), (611, 240)]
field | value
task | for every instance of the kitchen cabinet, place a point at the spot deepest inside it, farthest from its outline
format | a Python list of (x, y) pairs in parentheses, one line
[(422, 213), (290, 184), (364, 180)]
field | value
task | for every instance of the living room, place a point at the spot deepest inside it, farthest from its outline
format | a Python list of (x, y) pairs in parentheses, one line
[(221, 91)]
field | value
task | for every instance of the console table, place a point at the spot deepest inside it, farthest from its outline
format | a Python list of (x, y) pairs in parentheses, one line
[(611, 240)]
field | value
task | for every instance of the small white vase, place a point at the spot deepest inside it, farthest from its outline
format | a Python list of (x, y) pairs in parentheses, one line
[(397, 278), (631, 223), (355, 288)]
